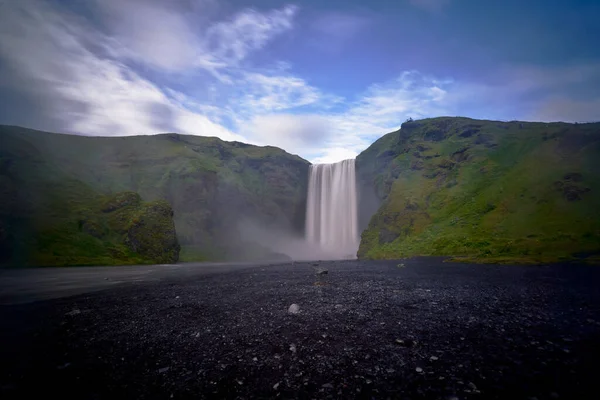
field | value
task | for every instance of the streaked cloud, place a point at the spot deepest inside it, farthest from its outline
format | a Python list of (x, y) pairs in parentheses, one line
[(49, 47), (232, 40)]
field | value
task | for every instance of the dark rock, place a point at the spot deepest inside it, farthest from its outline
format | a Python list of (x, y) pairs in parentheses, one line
[(451, 183), (432, 174), (485, 139), (446, 164), (121, 200), (411, 205), (416, 165), (434, 135), (468, 132), (570, 191), (573, 176), (322, 271), (387, 236), (410, 125), (388, 154), (151, 233), (92, 228), (489, 207), (460, 155)]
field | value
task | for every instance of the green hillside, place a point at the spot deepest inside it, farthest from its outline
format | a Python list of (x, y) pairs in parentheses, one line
[(211, 185), (49, 219), (484, 190)]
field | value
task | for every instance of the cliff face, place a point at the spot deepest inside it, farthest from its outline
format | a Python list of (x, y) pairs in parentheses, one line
[(210, 184), (486, 190)]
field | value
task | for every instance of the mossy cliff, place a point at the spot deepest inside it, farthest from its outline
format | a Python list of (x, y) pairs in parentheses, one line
[(482, 190), (86, 228), (210, 184)]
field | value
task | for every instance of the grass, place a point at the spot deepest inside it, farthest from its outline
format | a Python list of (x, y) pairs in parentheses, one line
[(211, 185), (487, 190)]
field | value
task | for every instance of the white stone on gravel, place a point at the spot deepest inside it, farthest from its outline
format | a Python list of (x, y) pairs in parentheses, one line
[(294, 309)]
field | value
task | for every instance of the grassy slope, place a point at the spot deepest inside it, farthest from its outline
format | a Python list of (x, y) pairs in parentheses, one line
[(211, 184), (49, 219), (484, 190)]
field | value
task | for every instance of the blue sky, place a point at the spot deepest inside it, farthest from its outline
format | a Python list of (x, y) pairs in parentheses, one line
[(322, 79)]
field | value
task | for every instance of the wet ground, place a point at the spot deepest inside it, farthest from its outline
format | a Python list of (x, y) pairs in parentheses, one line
[(413, 329)]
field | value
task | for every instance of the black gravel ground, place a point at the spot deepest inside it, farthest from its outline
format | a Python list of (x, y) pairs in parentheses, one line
[(375, 330)]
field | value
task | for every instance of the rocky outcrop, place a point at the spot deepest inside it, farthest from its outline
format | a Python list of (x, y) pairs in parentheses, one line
[(151, 233)]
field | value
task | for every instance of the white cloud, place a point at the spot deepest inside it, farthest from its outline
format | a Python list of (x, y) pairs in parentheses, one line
[(259, 93), (247, 31), (381, 109), (325, 136), (162, 35), (45, 47), (294, 133), (153, 33), (83, 75), (265, 107), (334, 154)]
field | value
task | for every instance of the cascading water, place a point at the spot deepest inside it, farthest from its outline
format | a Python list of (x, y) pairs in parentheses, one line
[(331, 211)]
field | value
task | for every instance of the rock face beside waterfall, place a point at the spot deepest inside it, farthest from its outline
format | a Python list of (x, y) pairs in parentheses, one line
[(494, 191), (48, 180)]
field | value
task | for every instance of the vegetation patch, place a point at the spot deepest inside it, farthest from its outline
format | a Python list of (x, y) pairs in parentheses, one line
[(498, 192), (92, 186)]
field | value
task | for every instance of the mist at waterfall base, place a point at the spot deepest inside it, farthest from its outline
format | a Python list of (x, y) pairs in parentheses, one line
[(331, 231)]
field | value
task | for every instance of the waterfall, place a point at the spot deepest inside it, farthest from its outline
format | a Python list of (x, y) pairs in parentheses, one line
[(331, 211)]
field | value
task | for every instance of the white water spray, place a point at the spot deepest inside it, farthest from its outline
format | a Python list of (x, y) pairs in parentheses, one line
[(331, 211)]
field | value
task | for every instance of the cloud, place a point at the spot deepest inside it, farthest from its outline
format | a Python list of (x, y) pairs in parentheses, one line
[(272, 113), (380, 109), (568, 110), (148, 66), (262, 93), (249, 30), (163, 35), (295, 133), (151, 32), (334, 154), (45, 48)]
